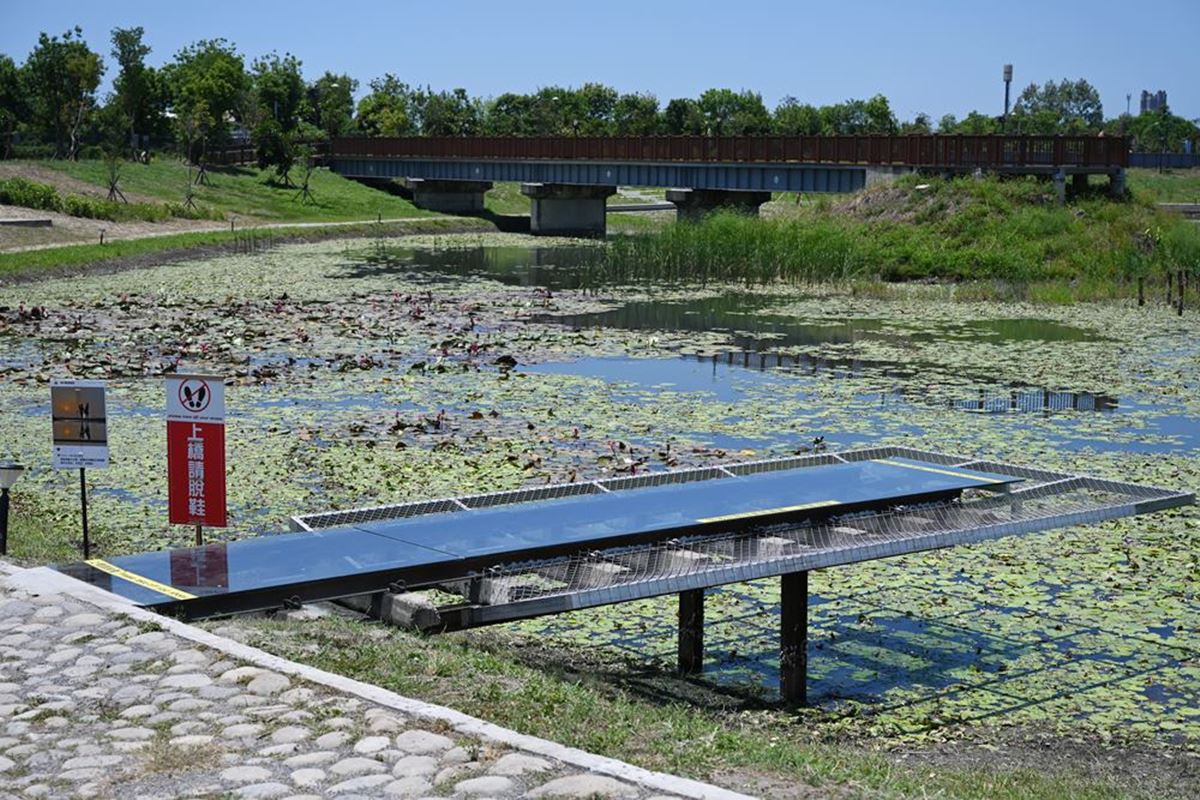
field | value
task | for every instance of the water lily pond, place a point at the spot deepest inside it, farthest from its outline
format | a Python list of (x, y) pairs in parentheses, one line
[(364, 372)]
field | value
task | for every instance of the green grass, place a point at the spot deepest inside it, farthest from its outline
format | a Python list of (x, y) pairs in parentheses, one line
[(506, 198), (486, 676), (247, 191), (1175, 186), (959, 230), (23, 263)]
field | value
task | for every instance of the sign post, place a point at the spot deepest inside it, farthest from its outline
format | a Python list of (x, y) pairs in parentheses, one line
[(80, 421), (196, 452)]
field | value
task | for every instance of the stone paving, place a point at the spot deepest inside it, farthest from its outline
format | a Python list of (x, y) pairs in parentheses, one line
[(95, 703)]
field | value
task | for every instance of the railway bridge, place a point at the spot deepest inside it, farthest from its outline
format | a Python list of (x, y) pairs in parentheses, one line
[(569, 178)]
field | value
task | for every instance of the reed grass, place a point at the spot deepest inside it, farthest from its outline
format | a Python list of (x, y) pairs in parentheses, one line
[(943, 230)]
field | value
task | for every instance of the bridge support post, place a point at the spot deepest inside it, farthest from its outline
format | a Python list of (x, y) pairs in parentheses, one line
[(567, 209), (695, 204), (793, 636), (448, 197), (1116, 183), (1060, 186), (691, 631)]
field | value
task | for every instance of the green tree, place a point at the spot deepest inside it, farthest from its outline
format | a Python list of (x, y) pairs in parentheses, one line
[(682, 117), (137, 90), (388, 109), (636, 115), (730, 113), (507, 115), (275, 149), (13, 107), (793, 118), (60, 79), (920, 124), (1063, 107), (331, 103), (1161, 131), (595, 104), (452, 113), (279, 89), (208, 83)]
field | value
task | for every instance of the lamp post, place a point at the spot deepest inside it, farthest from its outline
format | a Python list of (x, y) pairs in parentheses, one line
[(9, 472)]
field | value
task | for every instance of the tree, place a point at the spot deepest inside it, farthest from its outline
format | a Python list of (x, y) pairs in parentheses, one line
[(279, 89), (682, 117), (331, 103), (636, 115), (793, 118), (920, 124), (208, 82), (60, 79), (13, 107), (275, 148), (137, 90), (730, 113), (1161, 131), (448, 113), (595, 104), (388, 109), (1063, 107), (508, 115)]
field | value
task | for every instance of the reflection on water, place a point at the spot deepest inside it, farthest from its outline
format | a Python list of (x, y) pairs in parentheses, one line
[(750, 328), (548, 267)]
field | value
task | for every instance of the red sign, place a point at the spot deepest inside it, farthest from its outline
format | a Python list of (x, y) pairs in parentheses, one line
[(196, 451)]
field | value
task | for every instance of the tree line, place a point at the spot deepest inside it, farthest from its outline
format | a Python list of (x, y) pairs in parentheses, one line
[(209, 96)]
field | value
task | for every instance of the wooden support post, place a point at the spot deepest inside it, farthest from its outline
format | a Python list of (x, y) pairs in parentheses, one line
[(1170, 295), (793, 638), (1182, 285), (1141, 291), (691, 631)]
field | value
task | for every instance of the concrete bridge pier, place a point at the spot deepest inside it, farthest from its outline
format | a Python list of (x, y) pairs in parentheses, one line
[(695, 204), (567, 209), (448, 197)]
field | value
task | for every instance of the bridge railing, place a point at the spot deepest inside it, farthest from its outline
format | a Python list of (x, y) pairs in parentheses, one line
[(918, 150)]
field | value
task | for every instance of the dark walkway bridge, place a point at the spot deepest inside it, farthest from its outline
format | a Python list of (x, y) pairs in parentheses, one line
[(569, 178)]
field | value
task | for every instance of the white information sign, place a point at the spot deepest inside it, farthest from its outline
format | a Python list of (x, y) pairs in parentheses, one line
[(80, 420)]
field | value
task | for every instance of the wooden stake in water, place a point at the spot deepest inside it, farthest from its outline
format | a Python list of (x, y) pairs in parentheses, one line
[(1141, 291), (1181, 283), (1170, 287)]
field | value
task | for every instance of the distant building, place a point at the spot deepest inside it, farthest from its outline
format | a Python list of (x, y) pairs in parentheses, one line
[(1153, 101)]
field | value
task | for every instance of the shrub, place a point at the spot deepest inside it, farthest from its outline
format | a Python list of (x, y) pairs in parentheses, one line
[(21, 192)]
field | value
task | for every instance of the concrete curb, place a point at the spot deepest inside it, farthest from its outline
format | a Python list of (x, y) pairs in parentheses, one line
[(45, 581)]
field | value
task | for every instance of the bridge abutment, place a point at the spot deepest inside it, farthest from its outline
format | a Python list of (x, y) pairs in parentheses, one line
[(695, 204), (567, 209), (448, 197)]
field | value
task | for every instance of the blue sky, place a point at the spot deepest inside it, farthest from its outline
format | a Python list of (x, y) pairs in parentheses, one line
[(935, 56)]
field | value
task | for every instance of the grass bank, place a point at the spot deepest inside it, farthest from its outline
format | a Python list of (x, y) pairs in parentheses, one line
[(159, 249), (1170, 186), (244, 191), (510, 683), (919, 229)]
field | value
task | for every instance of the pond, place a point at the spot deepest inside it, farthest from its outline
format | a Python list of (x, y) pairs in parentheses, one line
[(363, 374)]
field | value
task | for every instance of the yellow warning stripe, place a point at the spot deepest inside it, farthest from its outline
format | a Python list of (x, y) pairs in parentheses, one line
[(950, 472), (126, 575), (764, 511)]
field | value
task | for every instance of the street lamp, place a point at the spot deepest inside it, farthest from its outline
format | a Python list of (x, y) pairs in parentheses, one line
[(9, 472)]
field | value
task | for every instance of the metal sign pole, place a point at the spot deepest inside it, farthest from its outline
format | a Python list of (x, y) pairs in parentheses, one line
[(83, 511), (199, 535)]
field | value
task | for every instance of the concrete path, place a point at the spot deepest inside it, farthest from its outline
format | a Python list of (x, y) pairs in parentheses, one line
[(99, 698)]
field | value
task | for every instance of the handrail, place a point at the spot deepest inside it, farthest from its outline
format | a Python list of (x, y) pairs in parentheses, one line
[(985, 151)]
